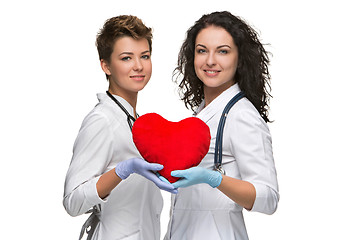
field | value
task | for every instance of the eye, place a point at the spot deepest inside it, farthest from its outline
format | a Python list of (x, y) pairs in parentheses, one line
[(127, 58), (201, 50), (223, 51), (145, 56)]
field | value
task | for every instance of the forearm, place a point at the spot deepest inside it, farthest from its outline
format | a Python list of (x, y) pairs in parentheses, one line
[(106, 183), (241, 192)]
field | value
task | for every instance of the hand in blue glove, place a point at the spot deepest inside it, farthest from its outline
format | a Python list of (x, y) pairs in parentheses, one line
[(196, 175), (165, 180), (140, 166)]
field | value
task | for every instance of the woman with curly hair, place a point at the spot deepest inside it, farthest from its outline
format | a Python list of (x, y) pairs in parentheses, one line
[(222, 58)]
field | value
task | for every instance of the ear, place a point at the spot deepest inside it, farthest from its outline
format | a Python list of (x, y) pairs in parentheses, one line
[(105, 67)]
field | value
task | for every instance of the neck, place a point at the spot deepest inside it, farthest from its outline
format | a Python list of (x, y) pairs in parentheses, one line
[(209, 98), (210, 93), (130, 98)]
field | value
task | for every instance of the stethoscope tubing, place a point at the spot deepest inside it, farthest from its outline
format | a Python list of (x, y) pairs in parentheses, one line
[(129, 117), (220, 132)]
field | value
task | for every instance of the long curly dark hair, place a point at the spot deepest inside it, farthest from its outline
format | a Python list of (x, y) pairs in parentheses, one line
[(252, 73)]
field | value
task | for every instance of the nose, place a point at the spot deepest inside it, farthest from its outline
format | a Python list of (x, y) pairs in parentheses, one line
[(138, 65), (210, 60)]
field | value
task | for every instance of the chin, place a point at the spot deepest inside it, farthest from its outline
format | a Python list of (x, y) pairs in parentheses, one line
[(139, 88)]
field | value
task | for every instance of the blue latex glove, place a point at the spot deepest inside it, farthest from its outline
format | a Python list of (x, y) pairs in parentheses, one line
[(196, 175), (167, 181), (140, 166)]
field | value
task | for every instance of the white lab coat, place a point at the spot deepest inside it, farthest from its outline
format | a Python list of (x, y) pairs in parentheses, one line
[(132, 210), (201, 212)]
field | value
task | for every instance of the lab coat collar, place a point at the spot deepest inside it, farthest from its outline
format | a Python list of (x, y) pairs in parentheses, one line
[(104, 98), (218, 104)]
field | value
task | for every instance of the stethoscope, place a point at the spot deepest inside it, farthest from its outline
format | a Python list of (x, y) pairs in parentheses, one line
[(220, 131), (130, 119)]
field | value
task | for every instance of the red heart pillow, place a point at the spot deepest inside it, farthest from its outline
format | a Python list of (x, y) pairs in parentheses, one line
[(176, 145)]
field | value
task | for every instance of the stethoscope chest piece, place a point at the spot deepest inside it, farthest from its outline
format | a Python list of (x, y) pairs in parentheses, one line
[(219, 169)]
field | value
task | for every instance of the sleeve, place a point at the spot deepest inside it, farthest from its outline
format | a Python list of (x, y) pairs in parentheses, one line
[(251, 145), (92, 153)]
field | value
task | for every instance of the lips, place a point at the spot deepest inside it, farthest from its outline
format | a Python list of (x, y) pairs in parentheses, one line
[(138, 77), (211, 72)]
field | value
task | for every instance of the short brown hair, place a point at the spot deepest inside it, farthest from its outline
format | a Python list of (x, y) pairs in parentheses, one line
[(117, 27)]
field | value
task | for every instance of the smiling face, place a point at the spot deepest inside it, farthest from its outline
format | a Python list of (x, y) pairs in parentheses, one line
[(216, 60), (130, 67)]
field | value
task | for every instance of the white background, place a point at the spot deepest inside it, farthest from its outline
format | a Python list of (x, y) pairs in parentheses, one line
[(50, 73)]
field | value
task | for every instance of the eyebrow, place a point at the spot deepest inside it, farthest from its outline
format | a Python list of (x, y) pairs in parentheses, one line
[(131, 53), (221, 46)]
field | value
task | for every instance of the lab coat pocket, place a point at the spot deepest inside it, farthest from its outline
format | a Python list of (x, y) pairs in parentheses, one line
[(134, 236), (223, 225), (230, 225), (193, 225)]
